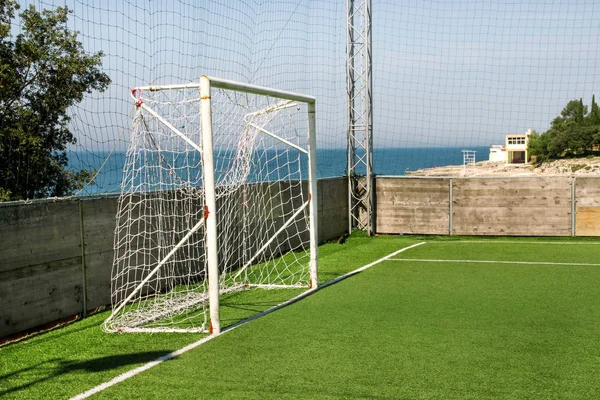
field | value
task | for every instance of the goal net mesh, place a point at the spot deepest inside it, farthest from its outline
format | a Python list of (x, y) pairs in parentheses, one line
[(159, 276)]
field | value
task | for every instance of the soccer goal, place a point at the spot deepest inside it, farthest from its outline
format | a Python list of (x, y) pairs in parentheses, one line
[(218, 195)]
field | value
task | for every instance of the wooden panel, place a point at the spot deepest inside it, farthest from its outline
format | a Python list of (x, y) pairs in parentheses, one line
[(588, 191), (588, 221), (412, 206), (588, 206), (512, 206)]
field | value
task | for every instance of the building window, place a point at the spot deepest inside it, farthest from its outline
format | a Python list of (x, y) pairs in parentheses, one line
[(516, 140)]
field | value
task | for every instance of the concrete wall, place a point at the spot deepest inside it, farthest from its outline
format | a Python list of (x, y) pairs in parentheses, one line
[(333, 208), (40, 264), (98, 238), (56, 255), (532, 206)]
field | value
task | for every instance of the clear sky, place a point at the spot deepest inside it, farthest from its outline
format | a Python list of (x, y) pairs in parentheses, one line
[(445, 73)]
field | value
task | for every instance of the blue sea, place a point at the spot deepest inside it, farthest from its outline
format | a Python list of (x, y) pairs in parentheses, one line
[(330, 163)]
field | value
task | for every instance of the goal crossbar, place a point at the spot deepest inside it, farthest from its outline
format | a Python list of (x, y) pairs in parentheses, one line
[(245, 87)]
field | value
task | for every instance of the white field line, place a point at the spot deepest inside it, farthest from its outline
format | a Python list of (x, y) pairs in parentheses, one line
[(495, 262), (126, 375), (361, 269), (511, 242), (147, 366)]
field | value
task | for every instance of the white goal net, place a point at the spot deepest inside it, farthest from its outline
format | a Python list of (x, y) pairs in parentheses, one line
[(218, 195)]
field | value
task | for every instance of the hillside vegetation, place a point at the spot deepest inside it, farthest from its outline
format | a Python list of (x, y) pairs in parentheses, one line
[(574, 133)]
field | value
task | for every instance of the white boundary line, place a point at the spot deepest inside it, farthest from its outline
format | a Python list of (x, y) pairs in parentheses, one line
[(496, 262), (510, 241), (126, 375), (361, 269), (166, 357)]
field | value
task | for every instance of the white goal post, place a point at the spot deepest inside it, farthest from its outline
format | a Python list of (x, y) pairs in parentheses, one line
[(219, 194)]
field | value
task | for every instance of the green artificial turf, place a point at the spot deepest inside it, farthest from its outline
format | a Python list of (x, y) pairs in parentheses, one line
[(414, 331), (61, 363), (67, 361), (402, 329)]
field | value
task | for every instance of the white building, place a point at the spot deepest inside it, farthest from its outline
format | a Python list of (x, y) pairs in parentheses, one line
[(514, 151), (497, 153)]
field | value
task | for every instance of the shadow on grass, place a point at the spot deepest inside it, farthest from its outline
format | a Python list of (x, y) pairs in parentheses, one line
[(239, 311), (56, 367), (59, 329)]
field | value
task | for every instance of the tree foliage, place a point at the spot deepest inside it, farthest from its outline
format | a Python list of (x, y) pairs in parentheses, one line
[(574, 132), (44, 70)]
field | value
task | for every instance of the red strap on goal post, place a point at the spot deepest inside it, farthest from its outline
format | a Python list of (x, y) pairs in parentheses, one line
[(137, 94)]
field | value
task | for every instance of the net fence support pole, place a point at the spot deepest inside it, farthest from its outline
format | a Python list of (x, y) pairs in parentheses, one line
[(450, 210), (313, 206), (350, 89), (573, 206), (360, 116), (369, 117), (211, 205)]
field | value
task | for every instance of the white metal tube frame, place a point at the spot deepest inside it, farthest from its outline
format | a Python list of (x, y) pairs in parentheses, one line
[(211, 205), (206, 83), (210, 217)]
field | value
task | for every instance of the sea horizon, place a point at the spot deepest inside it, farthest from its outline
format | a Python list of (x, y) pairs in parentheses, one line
[(331, 162)]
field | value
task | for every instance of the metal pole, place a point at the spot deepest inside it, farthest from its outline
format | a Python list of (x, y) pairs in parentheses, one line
[(313, 198), (350, 92), (450, 209), (573, 207), (369, 117), (233, 85), (360, 115), (211, 205)]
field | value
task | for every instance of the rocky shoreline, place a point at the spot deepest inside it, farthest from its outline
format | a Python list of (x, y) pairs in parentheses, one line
[(568, 167)]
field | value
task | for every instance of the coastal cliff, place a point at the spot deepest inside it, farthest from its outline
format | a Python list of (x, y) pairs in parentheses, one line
[(566, 167)]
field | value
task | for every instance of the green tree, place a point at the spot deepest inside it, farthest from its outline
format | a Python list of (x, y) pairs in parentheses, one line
[(574, 132), (43, 71), (593, 117), (574, 111), (538, 146)]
